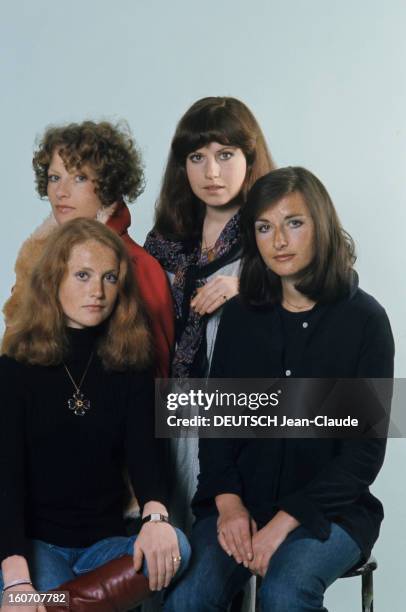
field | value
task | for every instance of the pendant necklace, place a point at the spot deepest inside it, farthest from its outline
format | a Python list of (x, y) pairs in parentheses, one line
[(78, 403), (209, 251)]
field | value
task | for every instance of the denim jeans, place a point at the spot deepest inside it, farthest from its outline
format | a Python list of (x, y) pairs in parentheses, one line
[(298, 574), (52, 565)]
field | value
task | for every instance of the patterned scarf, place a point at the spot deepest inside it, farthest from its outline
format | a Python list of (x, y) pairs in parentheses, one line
[(191, 268)]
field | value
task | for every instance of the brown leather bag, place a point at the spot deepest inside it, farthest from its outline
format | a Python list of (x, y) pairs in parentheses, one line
[(112, 587)]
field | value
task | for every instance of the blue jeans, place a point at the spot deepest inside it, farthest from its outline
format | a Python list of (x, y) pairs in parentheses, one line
[(52, 565), (298, 574)]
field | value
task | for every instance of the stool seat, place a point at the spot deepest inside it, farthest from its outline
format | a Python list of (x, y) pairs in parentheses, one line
[(368, 566), (367, 588)]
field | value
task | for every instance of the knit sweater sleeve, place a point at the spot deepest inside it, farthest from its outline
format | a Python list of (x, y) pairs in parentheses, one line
[(146, 454), (12, 539)]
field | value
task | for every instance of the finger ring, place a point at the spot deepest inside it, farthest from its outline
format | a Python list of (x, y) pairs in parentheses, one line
[(177, 559)]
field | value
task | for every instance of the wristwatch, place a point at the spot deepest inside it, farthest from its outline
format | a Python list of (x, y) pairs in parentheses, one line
[(155, 517)]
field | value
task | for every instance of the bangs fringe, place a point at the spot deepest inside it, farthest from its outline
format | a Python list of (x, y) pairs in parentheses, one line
[(190, 141), (203, 128)]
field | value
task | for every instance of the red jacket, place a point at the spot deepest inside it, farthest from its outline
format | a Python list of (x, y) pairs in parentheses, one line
[(154, 288)]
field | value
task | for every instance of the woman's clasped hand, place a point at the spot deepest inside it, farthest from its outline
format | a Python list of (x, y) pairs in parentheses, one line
[(239, 536), (214, 294), (158, 545), (235, 528)]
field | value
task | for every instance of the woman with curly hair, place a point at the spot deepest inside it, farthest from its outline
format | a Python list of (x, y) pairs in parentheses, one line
[(91, 170), (78, 395)]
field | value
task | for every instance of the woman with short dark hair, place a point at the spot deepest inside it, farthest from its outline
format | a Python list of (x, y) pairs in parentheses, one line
[(296, 511), (329, 274), (78, 408)]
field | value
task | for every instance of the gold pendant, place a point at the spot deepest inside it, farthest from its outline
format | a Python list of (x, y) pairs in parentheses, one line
[(211, 255), (78, 404)]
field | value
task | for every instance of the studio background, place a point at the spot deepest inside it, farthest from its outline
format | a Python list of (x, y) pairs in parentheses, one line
[(326, 80)]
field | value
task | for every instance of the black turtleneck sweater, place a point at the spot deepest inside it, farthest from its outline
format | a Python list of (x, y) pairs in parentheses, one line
[(62, 474)]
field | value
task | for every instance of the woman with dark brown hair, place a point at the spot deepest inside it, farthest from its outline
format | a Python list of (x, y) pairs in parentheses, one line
[(297, 511), (93, 170), (217, 153), (77, 408)]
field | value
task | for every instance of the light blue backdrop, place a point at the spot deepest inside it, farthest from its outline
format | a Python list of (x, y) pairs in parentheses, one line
[(327, 83)]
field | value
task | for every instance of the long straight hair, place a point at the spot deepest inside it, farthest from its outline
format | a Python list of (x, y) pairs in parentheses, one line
[(38, 333), (329, 276), (179, 213)]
